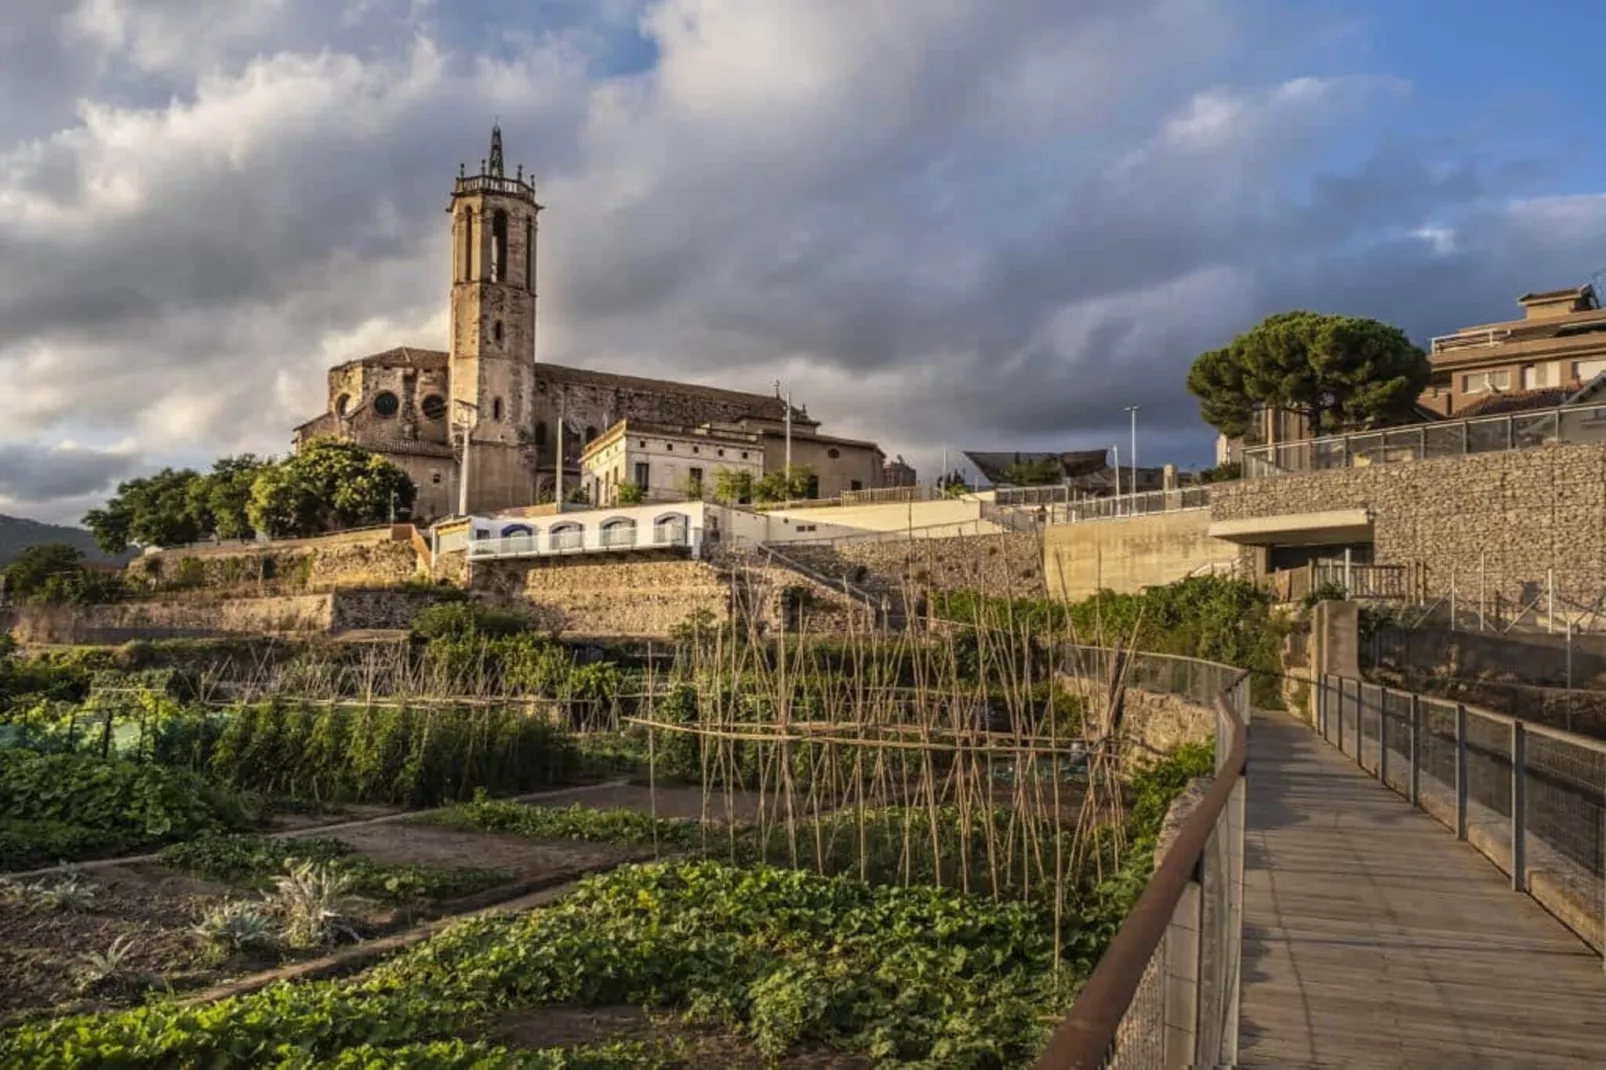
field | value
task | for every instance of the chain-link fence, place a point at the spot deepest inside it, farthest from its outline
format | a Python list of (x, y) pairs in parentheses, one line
[(1449, 438), (1529, 797), (1166, 991)]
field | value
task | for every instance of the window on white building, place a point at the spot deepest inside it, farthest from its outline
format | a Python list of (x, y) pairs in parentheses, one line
[(643, 472), (1483, 382), (1538, 376), (1585, 370)]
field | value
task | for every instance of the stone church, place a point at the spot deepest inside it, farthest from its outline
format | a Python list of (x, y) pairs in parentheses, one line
[(417, 406)]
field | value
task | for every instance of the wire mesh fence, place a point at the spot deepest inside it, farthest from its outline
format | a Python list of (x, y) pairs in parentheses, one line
[(1166, 991), (1529, 797)]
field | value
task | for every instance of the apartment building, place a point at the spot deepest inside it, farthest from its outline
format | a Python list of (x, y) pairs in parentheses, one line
[(1558, 345)]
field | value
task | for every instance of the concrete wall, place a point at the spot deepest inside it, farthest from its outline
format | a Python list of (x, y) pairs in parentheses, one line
[(1520, 514), (833, 522), (299, 614), (1128, 555)]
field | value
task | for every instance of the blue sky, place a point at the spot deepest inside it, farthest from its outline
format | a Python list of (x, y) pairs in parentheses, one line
[(954, 225)]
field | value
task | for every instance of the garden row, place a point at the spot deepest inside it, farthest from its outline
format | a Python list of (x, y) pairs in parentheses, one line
[(736, 962)]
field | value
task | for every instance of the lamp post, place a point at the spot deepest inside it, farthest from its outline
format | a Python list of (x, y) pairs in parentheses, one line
[(787, 397), (1132, 410), (468, 417)]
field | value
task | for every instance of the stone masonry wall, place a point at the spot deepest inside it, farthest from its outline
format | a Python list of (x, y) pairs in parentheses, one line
[(279, 615), (1006, 564), (372, 559), (637, 598), (1521, 513)]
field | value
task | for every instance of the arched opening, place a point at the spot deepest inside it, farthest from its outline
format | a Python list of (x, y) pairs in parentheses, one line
[(620, 531), (566, 536), (433, 407), (529, 255), (540, 434), (386, 403), (496, 409), (591, 435), (496, 331), (499, 246), (670, 529), (467, 270), (342, 404)]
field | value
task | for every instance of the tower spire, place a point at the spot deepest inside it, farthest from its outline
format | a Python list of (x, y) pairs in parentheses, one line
[(496, 149)]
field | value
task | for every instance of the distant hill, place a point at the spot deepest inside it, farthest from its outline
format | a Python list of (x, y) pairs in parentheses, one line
[(18, 533)]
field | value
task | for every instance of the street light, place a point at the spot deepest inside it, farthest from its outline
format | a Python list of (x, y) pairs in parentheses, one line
[(466, 423), (1132, 410)]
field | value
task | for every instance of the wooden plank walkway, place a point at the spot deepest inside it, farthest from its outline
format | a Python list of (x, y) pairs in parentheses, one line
[(1373, 938)]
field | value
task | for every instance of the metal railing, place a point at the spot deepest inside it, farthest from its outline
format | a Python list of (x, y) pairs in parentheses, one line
[(572, 541), (1448, 438), (1059, 507), (1529, 797), (913, 493), (1363, 582), (1166, 991)]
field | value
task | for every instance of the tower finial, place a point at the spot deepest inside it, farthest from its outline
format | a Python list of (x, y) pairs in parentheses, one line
[(496, 149)]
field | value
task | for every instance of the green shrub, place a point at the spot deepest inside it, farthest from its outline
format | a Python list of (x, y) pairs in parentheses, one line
[(460, 619), (402, 755), (77, 804)]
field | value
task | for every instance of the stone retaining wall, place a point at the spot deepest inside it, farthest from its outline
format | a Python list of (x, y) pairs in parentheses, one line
[(1003, 564), (277, 615), (358, 559), (613, 597), (1518, 514)]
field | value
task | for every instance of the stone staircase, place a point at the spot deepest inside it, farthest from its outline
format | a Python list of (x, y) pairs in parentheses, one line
[(882, 595), (829, 583)]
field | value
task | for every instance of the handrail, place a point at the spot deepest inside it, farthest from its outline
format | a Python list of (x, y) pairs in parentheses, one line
[(1086, 1037)]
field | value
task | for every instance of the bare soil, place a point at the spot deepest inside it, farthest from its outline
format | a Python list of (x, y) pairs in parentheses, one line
[(667, 802), (41, 950), (569, 1027), (399, 842)]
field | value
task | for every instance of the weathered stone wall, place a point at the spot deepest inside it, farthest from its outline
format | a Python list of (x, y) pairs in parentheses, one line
[(1520, 514), (1006, 564), (636, 598), (189, 618), (373, 558), (1544, 660)]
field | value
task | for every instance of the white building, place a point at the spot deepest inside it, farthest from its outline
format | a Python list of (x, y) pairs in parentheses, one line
[(668, 463)]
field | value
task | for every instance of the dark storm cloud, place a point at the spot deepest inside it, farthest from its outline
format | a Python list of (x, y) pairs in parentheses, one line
[(42, 474), (964, 224)]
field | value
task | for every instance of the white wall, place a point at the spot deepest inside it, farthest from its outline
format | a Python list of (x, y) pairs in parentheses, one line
[(669, 460), (829, 522)]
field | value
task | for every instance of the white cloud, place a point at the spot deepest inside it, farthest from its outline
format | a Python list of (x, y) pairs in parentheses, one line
[(941, 221)]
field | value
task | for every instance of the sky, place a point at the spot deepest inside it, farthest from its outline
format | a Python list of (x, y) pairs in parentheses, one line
[(944, 224)]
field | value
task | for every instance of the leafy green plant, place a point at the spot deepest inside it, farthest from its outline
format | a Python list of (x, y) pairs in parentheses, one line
[(780, 956), (236, 926), (252, 861), (311, 897), (570, 823), (98, 968), (82, 803), (1326, 591)]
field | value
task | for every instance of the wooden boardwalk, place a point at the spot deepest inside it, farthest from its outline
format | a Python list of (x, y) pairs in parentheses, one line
[(1373, 938)]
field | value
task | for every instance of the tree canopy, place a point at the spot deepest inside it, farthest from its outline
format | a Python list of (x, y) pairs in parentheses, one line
[(328, 486), (1342, 371)]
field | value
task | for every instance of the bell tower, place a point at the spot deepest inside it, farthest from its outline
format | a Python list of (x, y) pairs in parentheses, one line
[(492, 365)]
